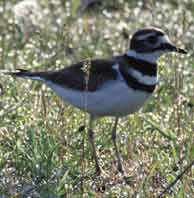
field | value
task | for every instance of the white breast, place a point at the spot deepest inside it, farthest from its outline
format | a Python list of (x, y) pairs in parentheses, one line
[(115, 98)]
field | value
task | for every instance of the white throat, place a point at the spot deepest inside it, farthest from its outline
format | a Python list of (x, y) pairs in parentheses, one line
[(151, 57)]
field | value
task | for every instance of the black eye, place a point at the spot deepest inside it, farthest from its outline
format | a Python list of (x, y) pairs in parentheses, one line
[(152, 39)]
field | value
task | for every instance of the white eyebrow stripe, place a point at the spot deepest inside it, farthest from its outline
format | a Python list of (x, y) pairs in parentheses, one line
[(142, 37)]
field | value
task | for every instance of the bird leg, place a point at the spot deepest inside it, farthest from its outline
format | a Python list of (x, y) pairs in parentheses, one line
[(118, 156), (91, 140)]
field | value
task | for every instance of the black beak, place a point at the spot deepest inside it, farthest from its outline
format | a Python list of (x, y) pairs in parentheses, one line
[(171, 47), (182, 51)]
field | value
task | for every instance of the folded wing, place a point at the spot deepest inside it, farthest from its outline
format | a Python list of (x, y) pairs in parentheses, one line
[(85, 75)]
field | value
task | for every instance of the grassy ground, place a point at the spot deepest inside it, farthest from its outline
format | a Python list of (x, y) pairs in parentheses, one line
[(42, 151)]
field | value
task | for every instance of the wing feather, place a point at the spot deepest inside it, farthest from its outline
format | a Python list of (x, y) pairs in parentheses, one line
[(78, 78)]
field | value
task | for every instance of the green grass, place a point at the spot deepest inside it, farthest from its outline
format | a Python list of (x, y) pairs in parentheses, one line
[(42, 151)]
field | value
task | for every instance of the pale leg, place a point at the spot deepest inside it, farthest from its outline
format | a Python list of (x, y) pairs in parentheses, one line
[(118, 156), (91, 140)]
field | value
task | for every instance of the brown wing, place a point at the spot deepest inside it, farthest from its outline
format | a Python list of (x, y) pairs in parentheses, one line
[(86, 75)]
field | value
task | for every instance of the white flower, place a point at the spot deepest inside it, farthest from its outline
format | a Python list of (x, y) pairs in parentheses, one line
[(28, 16)]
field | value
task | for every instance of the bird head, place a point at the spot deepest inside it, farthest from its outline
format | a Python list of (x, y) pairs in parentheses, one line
[(152, 42)]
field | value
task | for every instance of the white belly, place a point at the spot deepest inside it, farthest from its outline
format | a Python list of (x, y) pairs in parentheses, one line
[(114, 99)]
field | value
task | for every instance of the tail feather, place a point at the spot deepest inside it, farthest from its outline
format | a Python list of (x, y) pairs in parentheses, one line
[(24, 74)]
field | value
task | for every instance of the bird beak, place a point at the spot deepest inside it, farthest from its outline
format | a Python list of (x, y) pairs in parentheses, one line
[(171, 47), (182, 51)]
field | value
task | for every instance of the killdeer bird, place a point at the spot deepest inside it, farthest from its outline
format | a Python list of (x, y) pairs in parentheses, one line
[(110, 87)]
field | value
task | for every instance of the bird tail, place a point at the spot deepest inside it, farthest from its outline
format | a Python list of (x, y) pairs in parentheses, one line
[(23, 74)]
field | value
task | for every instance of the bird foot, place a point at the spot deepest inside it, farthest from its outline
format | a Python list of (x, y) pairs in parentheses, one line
[(120, 169), (98, 171)]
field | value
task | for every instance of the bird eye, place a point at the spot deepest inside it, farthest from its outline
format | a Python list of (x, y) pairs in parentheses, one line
[(152, 39)]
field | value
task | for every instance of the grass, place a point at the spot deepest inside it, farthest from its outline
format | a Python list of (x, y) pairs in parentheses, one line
[(43, 152)]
